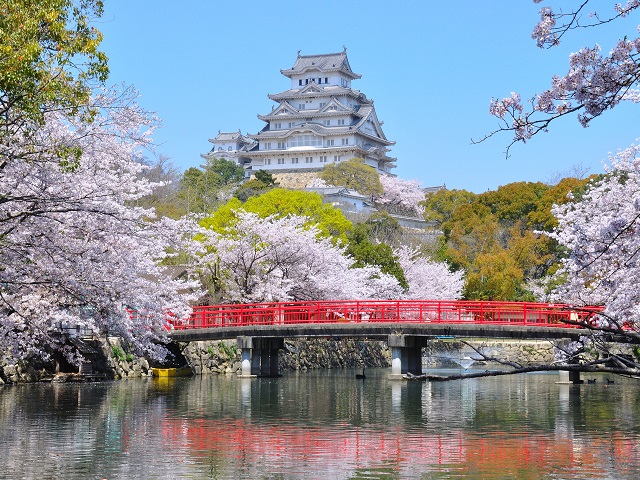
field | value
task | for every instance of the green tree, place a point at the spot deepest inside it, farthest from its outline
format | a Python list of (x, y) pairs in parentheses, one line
[(353, 174), (513, 201), (366, 251), (494, 236), (49, 59), (384, 228), (440, 205), (251, 188), (203, 189), (494, 275), (282, 202), (225, 172), (266, 178)]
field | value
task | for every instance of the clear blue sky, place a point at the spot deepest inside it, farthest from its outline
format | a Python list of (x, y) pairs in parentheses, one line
[(430, 67)]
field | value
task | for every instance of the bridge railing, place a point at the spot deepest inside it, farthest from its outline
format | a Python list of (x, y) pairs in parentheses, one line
[(394, 311)]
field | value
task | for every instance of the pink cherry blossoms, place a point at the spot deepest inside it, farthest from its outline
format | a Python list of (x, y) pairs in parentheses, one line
[(428, 279), (281, 259), (75, 250), (406, 194), (601, 232), (593, 83)]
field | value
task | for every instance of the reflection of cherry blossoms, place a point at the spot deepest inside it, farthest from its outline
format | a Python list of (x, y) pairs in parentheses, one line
[(75, 249), (280, 259), (601, 232), (427, 279)]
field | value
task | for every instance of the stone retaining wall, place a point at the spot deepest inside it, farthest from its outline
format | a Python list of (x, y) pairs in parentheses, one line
[(109, 359)]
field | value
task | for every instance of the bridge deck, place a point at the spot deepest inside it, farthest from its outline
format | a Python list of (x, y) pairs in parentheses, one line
[(378, 319)]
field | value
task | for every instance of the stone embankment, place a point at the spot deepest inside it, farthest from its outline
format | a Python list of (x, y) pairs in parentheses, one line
[(104, 360), (110, 360)]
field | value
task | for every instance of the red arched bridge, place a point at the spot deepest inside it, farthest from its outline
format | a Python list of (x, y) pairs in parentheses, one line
[(407, 325), (227, 321)]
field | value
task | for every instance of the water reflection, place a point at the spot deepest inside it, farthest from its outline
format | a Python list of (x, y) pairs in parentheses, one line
[(312, 424)]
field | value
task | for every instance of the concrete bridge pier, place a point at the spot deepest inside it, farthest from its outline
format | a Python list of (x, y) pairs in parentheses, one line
[(569, 377), (406, 354), (259, 355)]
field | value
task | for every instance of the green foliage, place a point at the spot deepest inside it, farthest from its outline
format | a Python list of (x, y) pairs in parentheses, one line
[(282, 202), (492, 235), (117, 352), (441, 204), (383, 228), (202, 188), (261, 182), (230, 350), (49, 57), (223, 171), (251, 188), (365, 251), (353, 174), (266, 178)]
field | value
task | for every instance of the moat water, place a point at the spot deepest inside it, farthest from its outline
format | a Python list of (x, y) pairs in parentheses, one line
[(322, 424)]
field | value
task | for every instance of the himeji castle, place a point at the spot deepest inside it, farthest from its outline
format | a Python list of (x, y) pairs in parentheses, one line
[(319, 119)]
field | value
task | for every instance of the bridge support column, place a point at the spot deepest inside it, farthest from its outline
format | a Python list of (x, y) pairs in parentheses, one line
[(406, 355), (259, 355), (569, 377)]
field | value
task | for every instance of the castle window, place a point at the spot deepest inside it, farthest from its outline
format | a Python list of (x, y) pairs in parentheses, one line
[(326, 79), (308, 159), (300, 82), (341, 121), (267, 161), (301, 106), (292, 124), (281, 161), (277, 126), (229, 148), (305, 141), (281, 144), (323, 159), (336, 158), (294, 160), (330, 143), (327, 122), (345, 141)]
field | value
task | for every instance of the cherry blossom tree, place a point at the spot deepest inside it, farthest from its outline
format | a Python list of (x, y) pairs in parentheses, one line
[(428, 279), (403, 194), (594, 82), (283, 259), (601, 232), (75, 250)]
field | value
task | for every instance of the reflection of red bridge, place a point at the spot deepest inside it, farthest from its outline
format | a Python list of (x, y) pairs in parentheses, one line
[(406, 325), (296, 449)]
